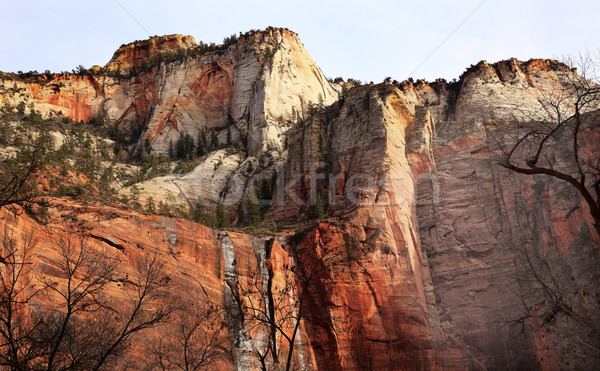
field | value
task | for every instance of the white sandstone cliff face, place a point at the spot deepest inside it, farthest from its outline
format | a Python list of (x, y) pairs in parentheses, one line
[(207, 181), (291, 81), (508, 90), (254, 84), (251, 89)]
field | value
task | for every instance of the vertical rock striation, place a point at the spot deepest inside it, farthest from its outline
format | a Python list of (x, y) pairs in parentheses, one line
[(421, 239)]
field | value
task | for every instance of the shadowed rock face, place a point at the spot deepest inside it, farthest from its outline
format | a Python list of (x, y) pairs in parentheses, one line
[(476, 232), (371, 196), (427, 229)]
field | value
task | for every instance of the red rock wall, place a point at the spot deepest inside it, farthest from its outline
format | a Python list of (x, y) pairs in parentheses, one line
[(476, 219)]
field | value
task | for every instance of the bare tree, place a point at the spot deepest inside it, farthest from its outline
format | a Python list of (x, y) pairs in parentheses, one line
[(278, 310), (17, 328), (571, 116), (83, 329), (15, 186), (148, 306), (558, 307), (79, 328), (553, 305), (16, 175), (195, 339), (18, 171), (561, 142), (86, 273)]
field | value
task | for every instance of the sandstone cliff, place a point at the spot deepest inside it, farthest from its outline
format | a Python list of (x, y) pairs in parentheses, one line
[(250, 89), (506, 90), (427, 230), (134, 55)]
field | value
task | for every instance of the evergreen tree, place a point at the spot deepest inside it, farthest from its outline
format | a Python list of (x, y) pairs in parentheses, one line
[(154, 167), (21, 107), (273, 182), (221, 216), (150, 209), (344, 93), (184, 146), (163, 208), (43, 210), (135, 197), (189, 145), (201, 143), (198, 214), (241, 217), (228, 135), (316, 209), (320, 208), (180, 146), (214, 140), (266, 194), (253, 209)]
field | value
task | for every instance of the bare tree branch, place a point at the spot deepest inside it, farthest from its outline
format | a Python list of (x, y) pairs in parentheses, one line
[(579, 98)]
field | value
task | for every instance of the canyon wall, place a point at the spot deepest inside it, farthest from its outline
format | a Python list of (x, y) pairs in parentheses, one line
[(248, 90), (422, 235), (480, 223)]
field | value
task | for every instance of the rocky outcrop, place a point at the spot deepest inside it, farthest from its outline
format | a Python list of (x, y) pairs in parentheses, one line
[(220, 174), (463, 270), (422, 236), (77, 97), (254, 84), (356, 163), (134, 55), (507, 90), (479, 225), (249, 90)]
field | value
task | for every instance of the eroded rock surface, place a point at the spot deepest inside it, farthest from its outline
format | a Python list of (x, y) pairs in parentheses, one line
[(422, 232)]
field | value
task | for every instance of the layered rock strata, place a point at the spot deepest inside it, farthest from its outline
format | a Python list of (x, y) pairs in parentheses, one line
[(422, 236)]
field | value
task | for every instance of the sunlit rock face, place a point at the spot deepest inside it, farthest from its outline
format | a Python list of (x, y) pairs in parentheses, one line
[(252, 85), (134, 54), (422, 233), (250, 90), (509, 90)]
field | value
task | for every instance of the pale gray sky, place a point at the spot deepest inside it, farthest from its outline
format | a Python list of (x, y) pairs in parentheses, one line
[(366, 40)]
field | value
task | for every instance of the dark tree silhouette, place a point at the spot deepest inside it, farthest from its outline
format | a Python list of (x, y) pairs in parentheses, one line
[(86, 273), (267, 307), (195, 339), (79, 327), (17, 328), (17, 186), (571, 116), (148, 306), (561, 143)]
